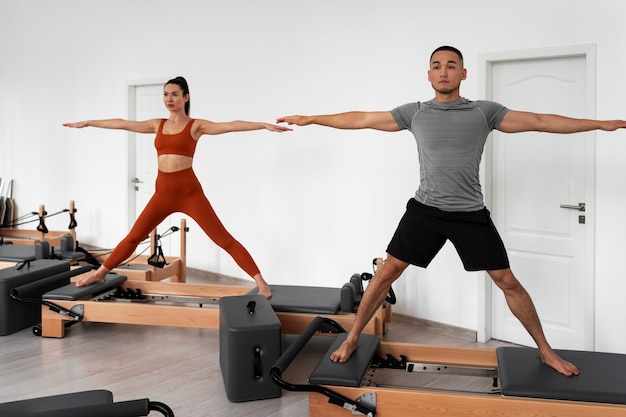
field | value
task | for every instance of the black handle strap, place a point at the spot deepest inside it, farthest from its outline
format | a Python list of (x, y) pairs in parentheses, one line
[(73, 222), (42, 223), (157, 259)]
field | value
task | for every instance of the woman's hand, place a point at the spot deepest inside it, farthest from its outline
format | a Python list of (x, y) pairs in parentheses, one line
[(277, 128), (76, 124)]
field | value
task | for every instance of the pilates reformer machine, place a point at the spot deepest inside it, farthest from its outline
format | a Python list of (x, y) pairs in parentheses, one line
[(376, 381), (24, 244), (11, 233), (60, 303), (45, 243)]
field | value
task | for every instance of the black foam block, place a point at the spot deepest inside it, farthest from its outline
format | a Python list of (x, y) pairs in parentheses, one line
[(250, 343), (602, 376)]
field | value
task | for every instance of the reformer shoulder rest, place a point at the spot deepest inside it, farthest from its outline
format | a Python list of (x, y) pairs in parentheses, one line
[(71, 292)]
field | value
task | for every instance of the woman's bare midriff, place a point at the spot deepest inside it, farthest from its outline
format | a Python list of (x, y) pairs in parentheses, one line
[(174, 163)]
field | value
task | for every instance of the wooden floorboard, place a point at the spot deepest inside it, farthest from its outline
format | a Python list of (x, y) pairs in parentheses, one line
[(176, 366)]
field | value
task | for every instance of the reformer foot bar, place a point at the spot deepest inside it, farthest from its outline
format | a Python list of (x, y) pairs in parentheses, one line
[(524, 386), (118, 300), (95, 403)]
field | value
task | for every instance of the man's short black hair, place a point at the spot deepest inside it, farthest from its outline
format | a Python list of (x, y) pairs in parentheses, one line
[(447, 48)]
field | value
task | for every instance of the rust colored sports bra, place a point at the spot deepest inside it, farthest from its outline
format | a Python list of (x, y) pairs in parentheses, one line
[(178, 144)]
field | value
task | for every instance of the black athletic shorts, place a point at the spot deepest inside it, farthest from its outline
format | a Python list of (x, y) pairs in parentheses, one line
[(423, 230)]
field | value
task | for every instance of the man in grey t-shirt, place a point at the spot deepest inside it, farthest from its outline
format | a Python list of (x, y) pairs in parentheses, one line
[(450, 132)]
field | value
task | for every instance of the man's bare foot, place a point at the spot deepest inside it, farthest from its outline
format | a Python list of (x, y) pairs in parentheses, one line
[(91, 279), (344, 352), (559, 364)]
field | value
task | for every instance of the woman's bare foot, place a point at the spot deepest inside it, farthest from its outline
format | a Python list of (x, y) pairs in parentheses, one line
[(264, 288), (559, 364), (344, 352), (94, 277)]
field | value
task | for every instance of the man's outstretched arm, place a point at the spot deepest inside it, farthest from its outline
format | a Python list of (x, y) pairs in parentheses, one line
[(518, 121), (379, 120)]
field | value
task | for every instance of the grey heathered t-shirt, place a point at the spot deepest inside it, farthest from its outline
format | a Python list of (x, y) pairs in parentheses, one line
[(450, 140)]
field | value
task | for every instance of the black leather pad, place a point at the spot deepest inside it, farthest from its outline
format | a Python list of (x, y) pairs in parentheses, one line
[(40, 406), (350, 373), (303, 299), (602, 376), (71, 292), (17, 253)]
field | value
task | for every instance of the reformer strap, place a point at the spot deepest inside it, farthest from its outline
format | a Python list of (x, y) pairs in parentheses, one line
[(73, 222), (41, 227), (157, 259)]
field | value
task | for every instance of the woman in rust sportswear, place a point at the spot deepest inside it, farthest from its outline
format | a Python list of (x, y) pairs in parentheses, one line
[(177, 189)]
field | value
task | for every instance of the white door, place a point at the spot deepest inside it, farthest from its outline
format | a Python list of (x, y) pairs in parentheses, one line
[(533, 176), (148, 101)]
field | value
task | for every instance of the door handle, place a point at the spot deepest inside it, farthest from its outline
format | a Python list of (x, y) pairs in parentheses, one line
[(579, 207), (136, 181)]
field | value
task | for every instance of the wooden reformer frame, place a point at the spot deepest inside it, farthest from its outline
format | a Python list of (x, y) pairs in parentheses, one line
[(191, 315), (394, 402)]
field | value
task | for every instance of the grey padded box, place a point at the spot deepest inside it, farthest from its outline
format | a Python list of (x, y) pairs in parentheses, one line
[(250, 343), (16, 315)]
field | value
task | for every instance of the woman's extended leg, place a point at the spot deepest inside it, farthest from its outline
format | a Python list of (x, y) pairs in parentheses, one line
[(200, 209), (155, 211)]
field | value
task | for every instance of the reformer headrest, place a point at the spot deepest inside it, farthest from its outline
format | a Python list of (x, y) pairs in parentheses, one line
[(71, 292), (350, 373)]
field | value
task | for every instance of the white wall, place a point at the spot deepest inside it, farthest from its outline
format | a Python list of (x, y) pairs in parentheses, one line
[(312, 206)]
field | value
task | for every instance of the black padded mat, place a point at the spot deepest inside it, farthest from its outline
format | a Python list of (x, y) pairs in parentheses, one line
[(303, 299), (351, 373), (17, 253), (71, 292), (602, 376), (43, 405)]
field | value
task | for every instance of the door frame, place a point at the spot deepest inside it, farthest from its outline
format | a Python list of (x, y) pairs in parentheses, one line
[(486, 62), (131, 105)]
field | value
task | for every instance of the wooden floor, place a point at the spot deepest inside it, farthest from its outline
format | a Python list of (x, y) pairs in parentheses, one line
[(176, 366)]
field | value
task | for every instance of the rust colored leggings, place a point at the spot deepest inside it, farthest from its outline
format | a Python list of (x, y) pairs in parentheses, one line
[(180, 192)]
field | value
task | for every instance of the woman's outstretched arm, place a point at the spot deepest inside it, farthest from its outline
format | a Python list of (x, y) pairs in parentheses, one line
[(146, 126)]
